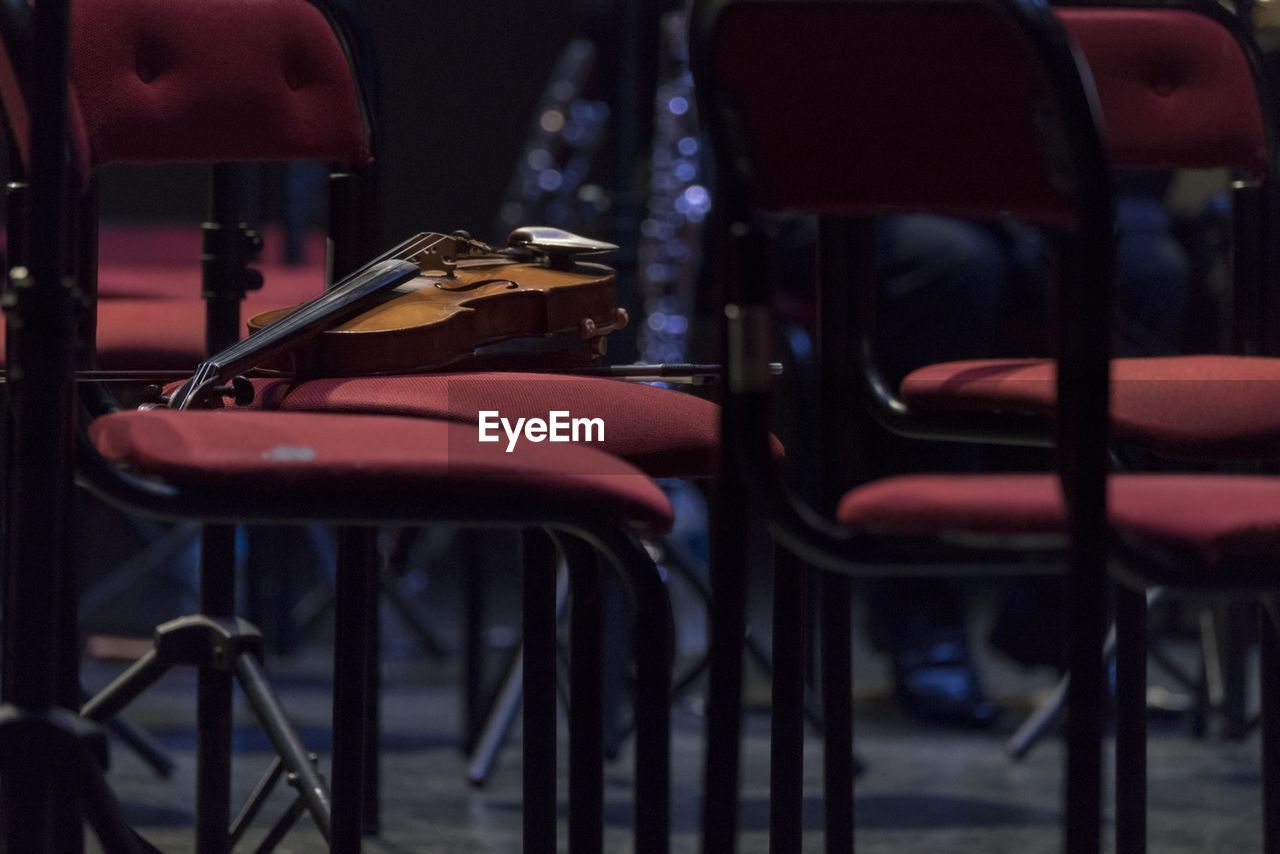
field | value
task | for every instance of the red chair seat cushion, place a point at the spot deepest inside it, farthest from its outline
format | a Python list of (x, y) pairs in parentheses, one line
[(277, 452), (1190, 407), (662, 432), (1218, 517)]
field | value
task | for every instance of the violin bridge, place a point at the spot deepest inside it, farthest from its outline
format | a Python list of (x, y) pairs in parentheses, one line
[(441, 253)]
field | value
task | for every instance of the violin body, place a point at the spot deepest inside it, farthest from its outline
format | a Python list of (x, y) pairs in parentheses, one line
[(437, 319), (426, 303)]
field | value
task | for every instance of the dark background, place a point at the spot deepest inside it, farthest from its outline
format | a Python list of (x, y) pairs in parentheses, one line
[(458, 86)]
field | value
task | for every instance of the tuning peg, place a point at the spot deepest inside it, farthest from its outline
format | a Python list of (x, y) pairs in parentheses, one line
[(154, 395), (240, 390)]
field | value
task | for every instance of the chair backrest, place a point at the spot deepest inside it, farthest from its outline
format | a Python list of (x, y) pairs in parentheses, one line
[(864, 108), (218, 80), (1179, 87), (858, 108), (15, 50)]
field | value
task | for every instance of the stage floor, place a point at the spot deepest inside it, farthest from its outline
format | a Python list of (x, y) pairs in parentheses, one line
[(925, 790)]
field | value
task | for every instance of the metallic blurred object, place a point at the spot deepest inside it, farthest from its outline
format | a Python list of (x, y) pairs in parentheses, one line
[(670, 248)]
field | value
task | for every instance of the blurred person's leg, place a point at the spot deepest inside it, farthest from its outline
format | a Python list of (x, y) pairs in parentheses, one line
[(1153, 298), (944, 287)]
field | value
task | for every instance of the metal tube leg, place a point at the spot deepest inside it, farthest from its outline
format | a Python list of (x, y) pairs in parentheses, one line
[(502, 712), (142, 743), (1131, 720), (837, 709), (539, 693), (586, 713), (298, 762), (214, 698), (355, 582), (654, 650), (786, 742), (1082, 829), (122, 690), (727, 628), (474, 645), (104, 815), (1235, 650), (498, 723), (1270, 678), (372, 812)]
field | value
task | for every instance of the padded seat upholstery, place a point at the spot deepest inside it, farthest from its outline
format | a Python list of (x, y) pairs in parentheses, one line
[(662, 432), (338, 454), (1217, 517), (1188, 407)]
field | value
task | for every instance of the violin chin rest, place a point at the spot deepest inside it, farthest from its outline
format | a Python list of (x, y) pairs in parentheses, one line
[(556, 242)]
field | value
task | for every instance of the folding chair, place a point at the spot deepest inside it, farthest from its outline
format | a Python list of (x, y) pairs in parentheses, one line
[(1181, 86), (966, 109), (373, 470), (223, 645)]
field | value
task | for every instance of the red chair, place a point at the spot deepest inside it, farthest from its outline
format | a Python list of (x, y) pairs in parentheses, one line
[(371, 470), (139, 100), (999, 118), (285, 479), (1180, 87)]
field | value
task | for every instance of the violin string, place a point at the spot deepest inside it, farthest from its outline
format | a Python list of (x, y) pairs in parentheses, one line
[(306, 312), (210, 370)]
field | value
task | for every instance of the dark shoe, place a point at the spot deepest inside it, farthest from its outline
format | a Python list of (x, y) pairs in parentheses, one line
[(937, 684)]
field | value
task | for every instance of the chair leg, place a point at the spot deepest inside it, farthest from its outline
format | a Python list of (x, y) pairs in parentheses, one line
[(225, 650), (474, 643), (837, 708), (483, 757), (355, 583), (1082, 826), (500, 715), (372, 808), (214, 697), (1270, 678), (726, 629), (1236, 616), (313, 794), (786, 742), (654, 651), (539, 742), (1131, 720), (371, 824), (586, 711)]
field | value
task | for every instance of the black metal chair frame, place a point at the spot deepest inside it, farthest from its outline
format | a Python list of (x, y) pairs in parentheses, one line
[(1254, 308), (1082, 448), (226, 646), (573, 528), (750, 482), (52, 762)]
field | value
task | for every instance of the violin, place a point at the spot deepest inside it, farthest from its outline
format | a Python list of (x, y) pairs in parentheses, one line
[(425, 304)]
